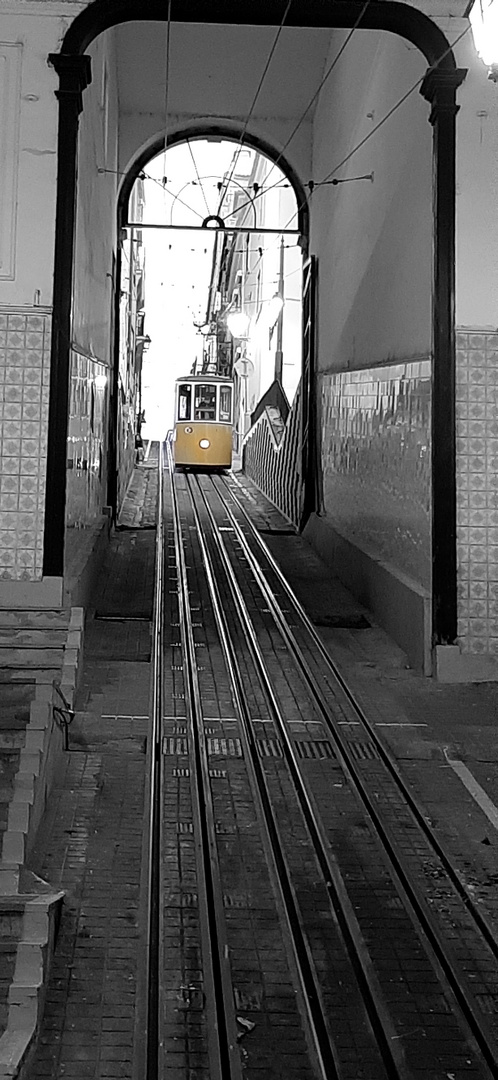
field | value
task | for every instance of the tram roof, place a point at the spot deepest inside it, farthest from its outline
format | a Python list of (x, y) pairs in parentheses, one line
[(204, 379)]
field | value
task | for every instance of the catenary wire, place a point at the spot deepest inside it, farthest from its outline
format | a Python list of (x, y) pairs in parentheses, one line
[(198, 176), (320, 87), (311, 102), (362, 142), (166, 88), (253, 105)]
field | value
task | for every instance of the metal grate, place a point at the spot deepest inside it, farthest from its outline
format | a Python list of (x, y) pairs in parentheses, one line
[(487, 1004), (189, 899), (224, 747), (175, 746), (248, 1000), (237, 900), (363, 751), (317, 750), (269, 748)]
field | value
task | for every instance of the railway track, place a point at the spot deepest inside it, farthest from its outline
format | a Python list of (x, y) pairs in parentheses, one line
[(311, 924)]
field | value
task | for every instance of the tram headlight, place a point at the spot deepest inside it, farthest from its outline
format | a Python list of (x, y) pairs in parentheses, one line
[(188, 430), (204, 444)]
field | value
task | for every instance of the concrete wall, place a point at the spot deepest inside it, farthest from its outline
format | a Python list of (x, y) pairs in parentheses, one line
[(206, 60), (373, 239), (28, 124)]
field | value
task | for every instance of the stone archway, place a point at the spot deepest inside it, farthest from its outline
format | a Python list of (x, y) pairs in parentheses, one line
[(439, 88)]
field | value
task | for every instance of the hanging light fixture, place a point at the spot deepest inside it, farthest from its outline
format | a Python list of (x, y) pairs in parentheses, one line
[(484, 22), (238, 324)]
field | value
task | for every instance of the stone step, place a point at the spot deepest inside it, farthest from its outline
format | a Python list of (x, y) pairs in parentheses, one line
[(27, 638), (11, 922), (27, 659), (10, 676), (35, 620), (11, 727)]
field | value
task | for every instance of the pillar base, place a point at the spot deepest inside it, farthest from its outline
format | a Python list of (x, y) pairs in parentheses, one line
[(453, 666)]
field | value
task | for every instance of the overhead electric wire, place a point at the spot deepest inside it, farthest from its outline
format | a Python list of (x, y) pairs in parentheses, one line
[(166, 92), (320, 87), (253, 105), (392, 110), (317, 184), (311, 102), (191, 152)]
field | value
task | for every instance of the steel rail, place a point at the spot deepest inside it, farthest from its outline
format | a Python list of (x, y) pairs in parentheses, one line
[(383, 751), (464, 1000), (222, 1034), (382, 1027), (153, 930), (310, 993)]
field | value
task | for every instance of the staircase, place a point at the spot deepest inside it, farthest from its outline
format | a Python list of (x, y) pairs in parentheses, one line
[(40, 653)]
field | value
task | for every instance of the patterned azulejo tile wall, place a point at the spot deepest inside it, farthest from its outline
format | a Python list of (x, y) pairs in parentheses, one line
[(86, 443), (376, 462), (477, 490), (24, 390)]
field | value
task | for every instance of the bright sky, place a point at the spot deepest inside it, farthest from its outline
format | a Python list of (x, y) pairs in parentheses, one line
[(178, 265)]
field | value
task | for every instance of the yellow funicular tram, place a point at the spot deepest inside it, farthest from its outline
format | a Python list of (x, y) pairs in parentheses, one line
[(203, 422)]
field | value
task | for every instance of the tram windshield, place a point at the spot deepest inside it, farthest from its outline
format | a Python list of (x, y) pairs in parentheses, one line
[(184, 401), (225, 404), (205, 402)]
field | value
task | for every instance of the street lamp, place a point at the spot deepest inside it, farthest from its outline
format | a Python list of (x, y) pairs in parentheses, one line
[(238, 323), (484, 22)]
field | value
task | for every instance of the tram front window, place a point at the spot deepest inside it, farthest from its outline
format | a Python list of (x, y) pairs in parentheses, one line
[(225, 404), (184, 401), (205, 403)]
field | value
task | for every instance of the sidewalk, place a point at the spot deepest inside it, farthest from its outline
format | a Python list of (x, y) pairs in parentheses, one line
[(90, 842)]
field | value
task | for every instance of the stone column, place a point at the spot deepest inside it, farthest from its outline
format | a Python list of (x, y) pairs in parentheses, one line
[(439, 88), (74, 74)]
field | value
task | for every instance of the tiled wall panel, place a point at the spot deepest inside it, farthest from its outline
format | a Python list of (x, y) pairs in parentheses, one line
[(477, 490), (275, 465), (376, 462), (24, 388), (86, 443)]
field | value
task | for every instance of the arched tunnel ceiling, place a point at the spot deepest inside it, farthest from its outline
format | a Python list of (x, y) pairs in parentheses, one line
[(215, 70)]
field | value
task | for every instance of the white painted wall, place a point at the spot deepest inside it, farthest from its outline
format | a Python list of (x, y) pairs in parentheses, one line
[(28, 136), (477, 189), (373, 240), (96, 205), (214, 75)]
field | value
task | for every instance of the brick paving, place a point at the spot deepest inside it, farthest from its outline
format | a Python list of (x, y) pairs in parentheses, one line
[(91, 839)]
